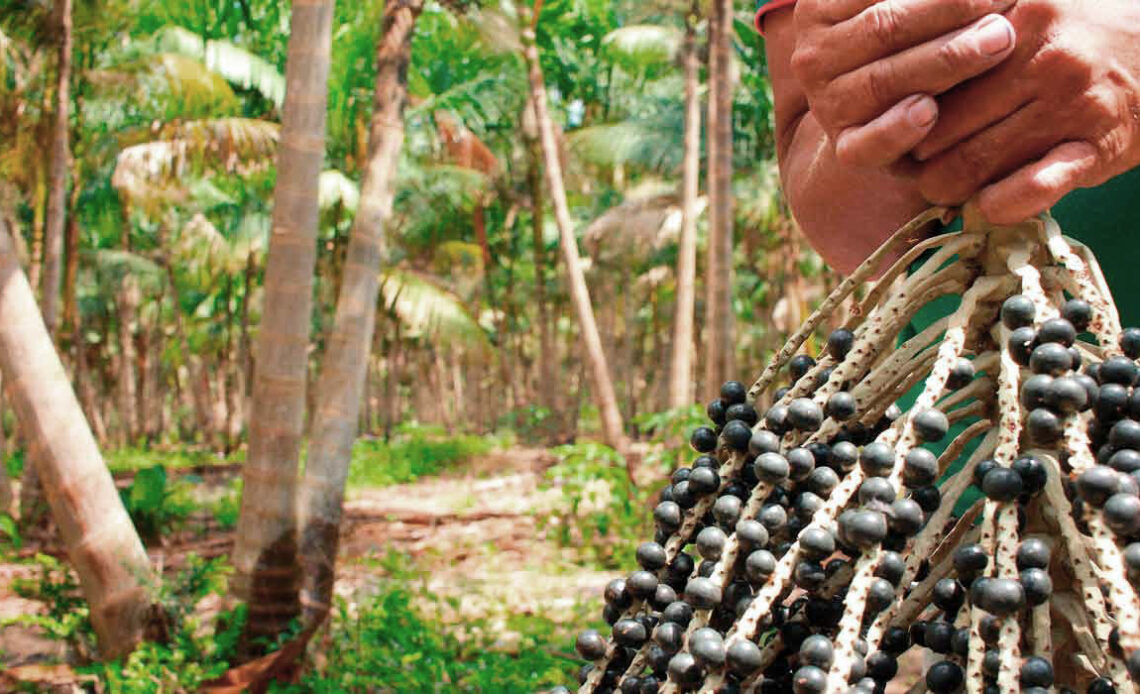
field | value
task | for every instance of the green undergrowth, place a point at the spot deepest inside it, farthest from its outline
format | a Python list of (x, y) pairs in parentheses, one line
[(132, 459), (601, 515), (389, 640), (414, 452), (393, 642)]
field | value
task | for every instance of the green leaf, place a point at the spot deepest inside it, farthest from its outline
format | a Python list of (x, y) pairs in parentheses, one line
[(148, 491), (235, 64), (639, 46)]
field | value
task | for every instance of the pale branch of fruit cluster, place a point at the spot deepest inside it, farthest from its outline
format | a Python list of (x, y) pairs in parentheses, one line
[(836, 471)]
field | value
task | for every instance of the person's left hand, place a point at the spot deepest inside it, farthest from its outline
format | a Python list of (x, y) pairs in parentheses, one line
[(1062, 112)]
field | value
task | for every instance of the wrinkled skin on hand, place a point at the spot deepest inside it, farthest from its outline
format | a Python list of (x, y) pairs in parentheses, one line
[(869, 68), (1062, 112)]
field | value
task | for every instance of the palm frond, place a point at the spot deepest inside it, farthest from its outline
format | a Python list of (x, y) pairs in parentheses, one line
[(337, 189), (111, 265), (615, 144), (236, 64), (427, 310), (640, 46), (151, 173)]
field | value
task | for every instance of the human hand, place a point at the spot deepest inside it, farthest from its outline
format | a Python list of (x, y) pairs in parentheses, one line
[(1062, 112), (869, 68)]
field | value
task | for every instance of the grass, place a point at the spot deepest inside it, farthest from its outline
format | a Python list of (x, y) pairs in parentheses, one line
[(393, 642), (133, 459), (412, 454)]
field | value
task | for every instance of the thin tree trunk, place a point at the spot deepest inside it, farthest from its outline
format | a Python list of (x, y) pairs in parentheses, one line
[(339, 390), (128, 301), (719, 365), (681, 364), (550, 392), (603, 387), (267, 572), (36, 264), (71, 259), (6, 497), (102, 544), (57, 173)]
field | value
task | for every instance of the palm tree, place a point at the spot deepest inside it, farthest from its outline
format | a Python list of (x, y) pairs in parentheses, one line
[(603, 388), (57, 173), (342, 380), (681, 365), (104, 548), (267, 574), (720, 352)]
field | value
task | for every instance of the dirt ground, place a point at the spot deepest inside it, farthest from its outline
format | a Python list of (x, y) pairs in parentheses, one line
[(472, 535)]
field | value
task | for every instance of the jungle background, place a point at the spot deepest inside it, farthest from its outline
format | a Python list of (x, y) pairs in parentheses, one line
[(465, 266)]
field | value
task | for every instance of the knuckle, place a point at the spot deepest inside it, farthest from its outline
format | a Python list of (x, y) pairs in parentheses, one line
[(883, 22), (1065, 65), (951, 55), (880, 83), (806, 62), (1101, 106)]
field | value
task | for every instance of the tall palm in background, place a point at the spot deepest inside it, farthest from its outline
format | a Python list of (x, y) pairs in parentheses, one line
[(265, 555), (603, 391), (681, 365), (341, 386), (57, 171), (719, 337)]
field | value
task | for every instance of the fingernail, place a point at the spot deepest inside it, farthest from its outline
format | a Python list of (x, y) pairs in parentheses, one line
[(922, 112), (994, 36)]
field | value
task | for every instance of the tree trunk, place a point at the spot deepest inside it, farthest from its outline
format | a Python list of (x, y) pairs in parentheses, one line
[(6, 497), (102, 544), (339, 389), (71, 261), (36, 264), (57, 173), (681, 364), (267, 572), (128, 301), (603, 387), (719, 365), (547, 354)]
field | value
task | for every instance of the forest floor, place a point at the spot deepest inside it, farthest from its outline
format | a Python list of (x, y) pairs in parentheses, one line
[(469, 537)]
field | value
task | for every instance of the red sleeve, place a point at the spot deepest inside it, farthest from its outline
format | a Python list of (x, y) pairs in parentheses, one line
[(771, 6)]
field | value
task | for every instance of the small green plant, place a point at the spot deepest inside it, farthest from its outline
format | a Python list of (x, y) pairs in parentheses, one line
[(155, 504), (67, 616), (191, 654), (227, 507), (601, 513)]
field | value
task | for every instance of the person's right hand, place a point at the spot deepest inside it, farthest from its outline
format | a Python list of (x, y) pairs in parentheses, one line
[(870, 68)]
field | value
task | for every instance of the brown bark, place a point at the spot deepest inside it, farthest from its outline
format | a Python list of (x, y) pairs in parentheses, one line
[(339, 390), (71, 260), (681, 363), (603, 387), (719, 339), (102, 545), (549, 391), (57, 173), (128, 303), (36, 263), (267, 573)]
